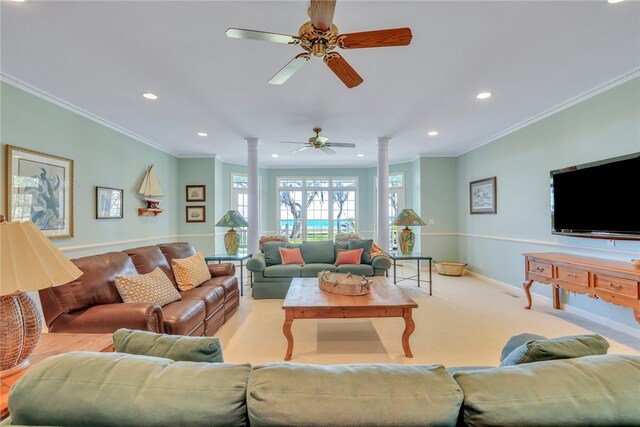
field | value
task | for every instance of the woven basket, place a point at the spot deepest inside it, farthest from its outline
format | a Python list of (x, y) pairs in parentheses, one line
[(450, 268)]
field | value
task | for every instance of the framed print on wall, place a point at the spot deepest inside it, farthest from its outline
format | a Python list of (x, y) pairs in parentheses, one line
[(483, 196), (196, 214), (39, 188), (109, 203), (195, 193)]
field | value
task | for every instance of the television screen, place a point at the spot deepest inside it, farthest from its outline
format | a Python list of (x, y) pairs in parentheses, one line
[(600, 199)]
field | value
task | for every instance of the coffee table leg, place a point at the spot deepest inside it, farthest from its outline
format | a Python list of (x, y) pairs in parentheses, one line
[(409, 327), (286, 330)]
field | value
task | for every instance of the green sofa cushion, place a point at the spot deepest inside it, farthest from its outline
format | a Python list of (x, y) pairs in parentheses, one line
[(365, 244), (354, 395), (591, 390), (516, 341), (289, 270), (174, 347), (271, 252), (116, 389), (357, 269), (557, 348), (312, 270), (321, 252)]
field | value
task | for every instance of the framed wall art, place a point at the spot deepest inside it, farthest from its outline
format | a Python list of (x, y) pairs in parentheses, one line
[(196, 214), (483, 196), (109, 203), (39, 188), (195, 193)]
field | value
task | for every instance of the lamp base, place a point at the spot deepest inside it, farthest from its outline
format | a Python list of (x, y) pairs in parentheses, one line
[(406, 241), (20, 331), (231, 242), (18, 368)]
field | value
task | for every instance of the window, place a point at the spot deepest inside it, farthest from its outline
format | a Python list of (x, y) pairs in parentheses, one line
[(316, 208), (239, 202), (396, 204)]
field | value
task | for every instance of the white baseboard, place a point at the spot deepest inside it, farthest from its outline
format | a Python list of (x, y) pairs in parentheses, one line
[(620, 327)]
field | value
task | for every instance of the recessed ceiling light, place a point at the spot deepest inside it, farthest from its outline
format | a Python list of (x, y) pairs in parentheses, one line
[(360, 155), (202, 134), (615, 1), (275, 156), (18, 1), (483, 95), (433, 133), (150, 95)]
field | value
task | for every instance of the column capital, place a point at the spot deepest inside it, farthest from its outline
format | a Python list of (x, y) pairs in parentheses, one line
[(383, 140), (252, 142)]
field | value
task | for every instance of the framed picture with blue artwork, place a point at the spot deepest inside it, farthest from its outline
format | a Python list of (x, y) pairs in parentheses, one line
[(39, 188), (483, 196)]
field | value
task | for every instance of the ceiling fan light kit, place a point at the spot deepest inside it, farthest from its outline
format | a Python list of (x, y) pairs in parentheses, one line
[(319, 37)]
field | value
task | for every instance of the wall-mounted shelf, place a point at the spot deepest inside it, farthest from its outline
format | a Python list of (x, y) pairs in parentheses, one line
[(149, 212)]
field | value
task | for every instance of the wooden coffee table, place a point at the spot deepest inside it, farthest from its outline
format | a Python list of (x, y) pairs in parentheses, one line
[(305, 300)]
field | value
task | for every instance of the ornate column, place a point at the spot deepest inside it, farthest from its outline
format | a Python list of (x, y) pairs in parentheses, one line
[(253, 232), (382, 228)]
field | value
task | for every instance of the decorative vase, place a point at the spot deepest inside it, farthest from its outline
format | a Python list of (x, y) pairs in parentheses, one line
[(231, 242), (406, 240)]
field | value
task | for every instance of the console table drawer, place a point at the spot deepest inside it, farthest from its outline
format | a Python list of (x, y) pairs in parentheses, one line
[(540, 269), (616, 285), (571, 275)]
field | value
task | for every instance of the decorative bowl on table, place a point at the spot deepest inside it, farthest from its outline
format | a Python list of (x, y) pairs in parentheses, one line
[(343, 283)]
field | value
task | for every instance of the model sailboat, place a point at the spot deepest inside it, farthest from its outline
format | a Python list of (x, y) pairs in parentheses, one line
[(150, 189)]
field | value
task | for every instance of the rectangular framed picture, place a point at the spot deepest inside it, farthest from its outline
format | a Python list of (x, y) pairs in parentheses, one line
[(483, 196), (196, 214), (39, 188), (109, 203), (195, 193)]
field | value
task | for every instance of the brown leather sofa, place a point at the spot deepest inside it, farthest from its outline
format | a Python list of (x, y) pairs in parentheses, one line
[(92, 304)]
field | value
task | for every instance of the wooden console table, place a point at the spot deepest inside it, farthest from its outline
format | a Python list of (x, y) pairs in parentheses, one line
[(49, 345), (616, 282)]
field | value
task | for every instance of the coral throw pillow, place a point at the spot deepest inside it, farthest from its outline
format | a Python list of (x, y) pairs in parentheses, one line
[(291, 256), (349, 257), (152, 288), (190, 272)]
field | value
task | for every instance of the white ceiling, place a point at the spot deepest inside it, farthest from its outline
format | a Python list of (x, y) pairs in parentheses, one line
[(532, 55)]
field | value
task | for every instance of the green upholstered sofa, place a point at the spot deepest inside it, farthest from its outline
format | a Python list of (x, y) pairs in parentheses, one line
[(117, 389), (271, 279)]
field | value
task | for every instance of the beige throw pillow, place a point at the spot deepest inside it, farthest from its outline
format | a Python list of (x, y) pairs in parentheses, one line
[(190, 272), (152, 288)]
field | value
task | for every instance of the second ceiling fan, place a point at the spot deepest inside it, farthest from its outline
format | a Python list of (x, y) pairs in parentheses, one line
[(320, 36)]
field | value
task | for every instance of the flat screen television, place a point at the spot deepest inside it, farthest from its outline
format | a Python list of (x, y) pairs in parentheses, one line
[(599, 199)]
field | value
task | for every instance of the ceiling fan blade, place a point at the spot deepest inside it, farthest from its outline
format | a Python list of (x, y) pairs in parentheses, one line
[(379, 38), (321, 13), (290, 69), (301, 149), (327, 150), (343, 70), (341, 144), (239, 33), (292, 142)]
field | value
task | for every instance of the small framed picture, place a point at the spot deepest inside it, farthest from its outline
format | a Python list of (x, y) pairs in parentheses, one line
[(109, 203), (483, 196), (196, 214), (195, 193)]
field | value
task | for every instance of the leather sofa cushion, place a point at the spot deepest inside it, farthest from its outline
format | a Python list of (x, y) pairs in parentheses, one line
[(229, 285), (312, 270), (355, 395), (174, 347), (147, 258), (291, 270), (318, 252), (120, 389), (184, 317), (590, 390), (212, 296), (356, 269)]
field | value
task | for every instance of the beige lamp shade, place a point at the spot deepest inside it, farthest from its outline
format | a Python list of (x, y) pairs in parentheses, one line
[(29, 261)]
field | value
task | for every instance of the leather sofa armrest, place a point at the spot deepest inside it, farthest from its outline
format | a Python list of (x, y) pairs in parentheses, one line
[(381, 262), (105, 318), (257, 263), (225, 269)]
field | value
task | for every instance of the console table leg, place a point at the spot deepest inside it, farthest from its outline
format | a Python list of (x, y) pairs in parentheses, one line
[(527, 292), (409, 327), (556, 296), (286, 330)]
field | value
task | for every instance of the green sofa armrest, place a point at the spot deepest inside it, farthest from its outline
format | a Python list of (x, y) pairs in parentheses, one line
[(257, 262), (381, 262)]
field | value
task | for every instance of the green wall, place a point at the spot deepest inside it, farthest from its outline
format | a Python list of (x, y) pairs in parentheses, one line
[(604, 126)]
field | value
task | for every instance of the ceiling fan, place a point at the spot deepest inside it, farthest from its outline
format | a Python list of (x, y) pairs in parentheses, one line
[(319, 142), (319, 37)]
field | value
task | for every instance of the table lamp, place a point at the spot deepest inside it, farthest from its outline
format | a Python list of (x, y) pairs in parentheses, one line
[(231, 240), (406, 238), (29, 262)]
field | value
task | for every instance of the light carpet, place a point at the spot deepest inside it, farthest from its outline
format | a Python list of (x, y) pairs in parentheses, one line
[(466, 322)]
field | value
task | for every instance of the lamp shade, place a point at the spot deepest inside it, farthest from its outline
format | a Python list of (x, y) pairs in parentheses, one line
[(232, 219), (408, 217)]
